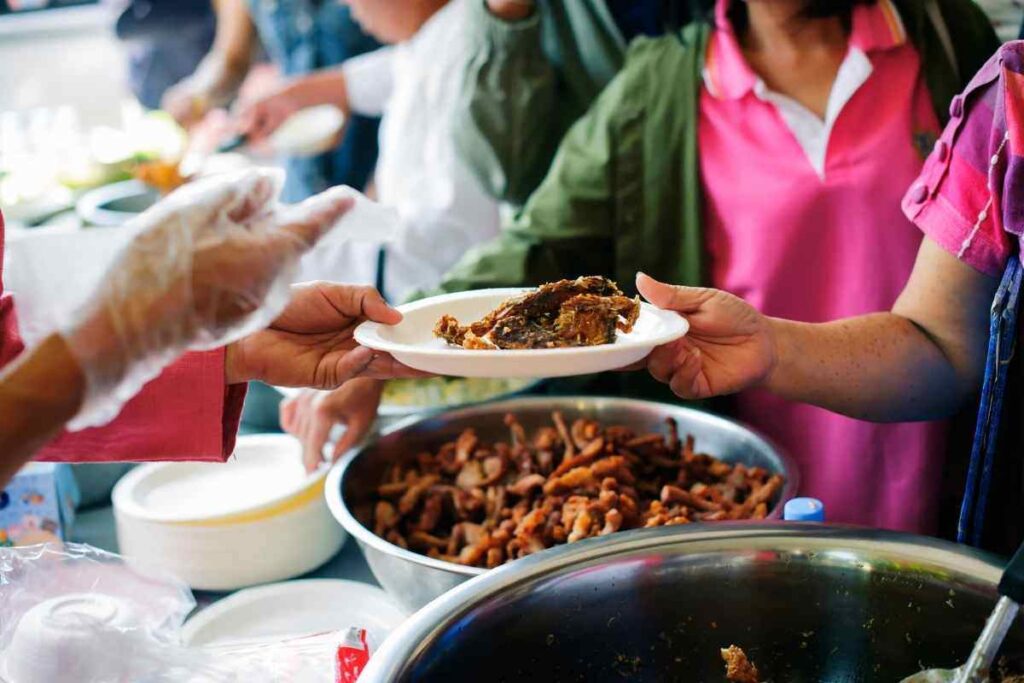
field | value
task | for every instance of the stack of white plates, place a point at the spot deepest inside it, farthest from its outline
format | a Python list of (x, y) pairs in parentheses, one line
[(257, 518)]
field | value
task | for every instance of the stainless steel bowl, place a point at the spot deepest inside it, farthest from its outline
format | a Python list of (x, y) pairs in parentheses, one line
[(806, 602), (414, 579)]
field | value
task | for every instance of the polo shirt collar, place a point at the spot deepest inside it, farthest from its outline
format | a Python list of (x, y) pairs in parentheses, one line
[(728, 76)]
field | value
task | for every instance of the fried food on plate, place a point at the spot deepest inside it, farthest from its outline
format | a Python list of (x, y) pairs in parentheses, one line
[(588, 311)]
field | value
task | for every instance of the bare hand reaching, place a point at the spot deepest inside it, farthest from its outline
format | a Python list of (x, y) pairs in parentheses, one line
[(311, 415)]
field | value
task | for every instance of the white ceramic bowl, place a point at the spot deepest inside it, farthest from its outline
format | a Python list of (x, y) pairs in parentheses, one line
[(413, 343), (255, 519)]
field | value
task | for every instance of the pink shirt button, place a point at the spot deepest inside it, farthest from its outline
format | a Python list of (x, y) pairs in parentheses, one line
[(956, 107), (941, 150), (919, 194)]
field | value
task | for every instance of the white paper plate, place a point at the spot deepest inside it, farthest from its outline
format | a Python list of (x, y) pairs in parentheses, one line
[(413, 343), (265, 470), (223, 526), (309, 131), (295, 608)]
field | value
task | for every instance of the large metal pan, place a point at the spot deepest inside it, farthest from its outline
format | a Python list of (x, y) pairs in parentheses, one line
[(808, 603)]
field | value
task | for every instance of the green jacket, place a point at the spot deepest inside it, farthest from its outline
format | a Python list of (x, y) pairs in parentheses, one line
[(526, 83), (623, 192)]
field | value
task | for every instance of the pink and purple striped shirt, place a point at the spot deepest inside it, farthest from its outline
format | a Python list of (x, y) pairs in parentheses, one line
[(968, 198)]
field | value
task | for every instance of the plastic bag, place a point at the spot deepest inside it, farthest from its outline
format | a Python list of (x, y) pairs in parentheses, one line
[(74, 612)]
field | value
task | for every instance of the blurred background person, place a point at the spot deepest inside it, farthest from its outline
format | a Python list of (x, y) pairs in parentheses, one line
[(299, 36), (415, 84), (535, 67), (164, 40)]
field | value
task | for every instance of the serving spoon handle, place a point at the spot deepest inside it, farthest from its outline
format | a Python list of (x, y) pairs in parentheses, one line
[(1011, 588)]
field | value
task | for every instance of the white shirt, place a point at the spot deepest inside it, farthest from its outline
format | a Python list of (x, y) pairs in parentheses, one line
[(811, 132), (443, 209)]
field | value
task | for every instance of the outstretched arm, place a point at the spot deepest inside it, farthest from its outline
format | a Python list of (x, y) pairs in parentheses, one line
[(918, 362), (218, 77)]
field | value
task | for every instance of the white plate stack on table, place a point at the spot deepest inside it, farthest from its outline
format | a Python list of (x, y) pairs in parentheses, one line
[(222, 526)]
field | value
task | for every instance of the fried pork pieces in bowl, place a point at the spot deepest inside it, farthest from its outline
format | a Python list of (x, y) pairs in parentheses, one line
[(438, 500)]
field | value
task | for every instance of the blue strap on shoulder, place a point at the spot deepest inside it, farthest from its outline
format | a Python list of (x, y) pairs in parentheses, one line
[(1001, 348)]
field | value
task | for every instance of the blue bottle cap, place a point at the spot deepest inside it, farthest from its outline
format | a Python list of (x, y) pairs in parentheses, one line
[(804, 510)]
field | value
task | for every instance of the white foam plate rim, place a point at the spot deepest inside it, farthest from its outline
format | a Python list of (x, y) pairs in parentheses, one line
[(354, 603), (418, 348), (126, 502)]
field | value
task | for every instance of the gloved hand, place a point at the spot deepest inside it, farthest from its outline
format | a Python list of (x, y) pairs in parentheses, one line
[(208, 265)]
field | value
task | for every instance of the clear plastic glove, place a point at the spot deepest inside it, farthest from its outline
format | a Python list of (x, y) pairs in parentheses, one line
[(311, 415), (206, 266)]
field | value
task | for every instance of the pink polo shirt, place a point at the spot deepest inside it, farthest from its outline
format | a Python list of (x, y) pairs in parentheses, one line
[(803, 220), (187, 413)]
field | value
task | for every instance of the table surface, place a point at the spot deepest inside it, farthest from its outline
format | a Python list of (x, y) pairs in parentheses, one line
[(96, 527)]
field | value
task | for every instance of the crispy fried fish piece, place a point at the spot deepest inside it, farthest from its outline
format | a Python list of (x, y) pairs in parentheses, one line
[(583, 312)]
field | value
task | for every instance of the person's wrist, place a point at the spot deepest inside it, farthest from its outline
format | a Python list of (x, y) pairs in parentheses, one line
[(311, 91), (301, 95), (235, 369), (48, 380), (64, 365), (40, 392), (778, 343), (97, 350), (511, 10)]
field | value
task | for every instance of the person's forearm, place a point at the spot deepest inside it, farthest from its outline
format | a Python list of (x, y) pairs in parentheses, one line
[(879, 367), (222, 71), (326, 86), (39, 393)]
